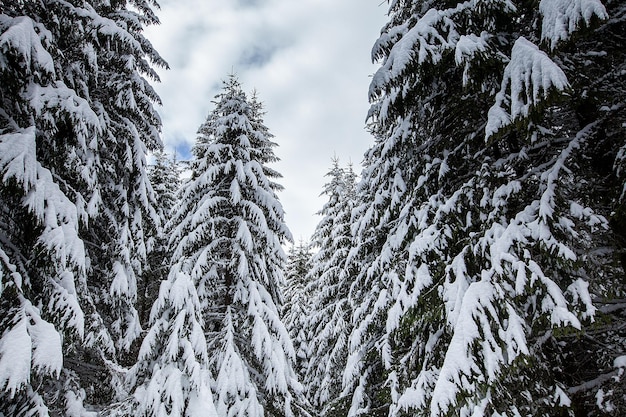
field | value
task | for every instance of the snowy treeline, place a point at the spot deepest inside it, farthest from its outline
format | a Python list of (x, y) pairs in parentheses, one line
[(475, 266)]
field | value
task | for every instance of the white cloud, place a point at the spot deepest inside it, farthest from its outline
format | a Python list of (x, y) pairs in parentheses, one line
[(308, 59)]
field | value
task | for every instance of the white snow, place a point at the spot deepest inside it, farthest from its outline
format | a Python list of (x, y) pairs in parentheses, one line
[(15, 357), (561, 18), (466, 48), (528, 79), (201, 403), (31, 342), (22, 39), (421, 43), (74, 406), (460, 363), (120, 284), (561, 397), (620, 362), (47, 354)]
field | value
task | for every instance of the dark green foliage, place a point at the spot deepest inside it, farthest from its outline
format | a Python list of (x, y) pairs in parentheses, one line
[(76, 120), (484, 228)]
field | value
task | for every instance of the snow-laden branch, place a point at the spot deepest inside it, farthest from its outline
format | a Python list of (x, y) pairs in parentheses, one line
[(528, 79), (561, 18)]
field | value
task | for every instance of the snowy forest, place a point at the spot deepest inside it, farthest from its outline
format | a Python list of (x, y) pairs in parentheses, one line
[(472, 265)]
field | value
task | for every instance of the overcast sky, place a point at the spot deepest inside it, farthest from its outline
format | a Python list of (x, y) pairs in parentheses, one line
[(309, 61)]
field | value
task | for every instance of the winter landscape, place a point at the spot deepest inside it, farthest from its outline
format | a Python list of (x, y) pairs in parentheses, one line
[(473, 264)]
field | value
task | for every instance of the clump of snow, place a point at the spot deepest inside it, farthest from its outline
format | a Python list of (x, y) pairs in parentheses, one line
[(603, 401), (459, 365), (561, 397), (562, 17), (74, 406), (528, 78), (620, 362), (15, 358), (467, 47), (30, 343), (20, 38), (423, 42)]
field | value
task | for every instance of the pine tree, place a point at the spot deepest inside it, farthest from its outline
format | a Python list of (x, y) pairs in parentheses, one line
[(165, 179), (65, 107), (42, 256), (298, 303), (58, 128), (476, 215), (329, 324), (227, 236), (126, 197), (172, 374), (164, 176)]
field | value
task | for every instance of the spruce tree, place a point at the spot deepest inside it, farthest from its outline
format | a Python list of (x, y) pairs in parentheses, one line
[(476, 214), (329, 323), (117, 246), (77, 118), (298, 303), (164, 176), (227, 236)]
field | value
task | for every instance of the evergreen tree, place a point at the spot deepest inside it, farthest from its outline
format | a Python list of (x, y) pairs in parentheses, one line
[(329, 324), (165, 179), (172, 374), (117, 246), (298, 303), (227, 235), (164, 176), (76, 120), (477, 213)]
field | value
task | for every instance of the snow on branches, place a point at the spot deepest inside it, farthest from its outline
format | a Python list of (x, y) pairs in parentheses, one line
[(561, 18), (528, 79)]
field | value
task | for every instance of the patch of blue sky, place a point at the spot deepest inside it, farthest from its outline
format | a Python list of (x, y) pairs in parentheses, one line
[(182, 150)]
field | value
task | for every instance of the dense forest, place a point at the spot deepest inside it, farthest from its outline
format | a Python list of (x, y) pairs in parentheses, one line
[(474, 265)]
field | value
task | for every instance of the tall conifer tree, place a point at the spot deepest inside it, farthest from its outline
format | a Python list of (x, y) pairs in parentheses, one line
[(227, 235), (329, 322), (476, 219), (298, 303), (165, 179), (76, 120)]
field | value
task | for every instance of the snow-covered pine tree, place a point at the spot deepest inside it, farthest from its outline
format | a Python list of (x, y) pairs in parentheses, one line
[(172, 375), (165, 179), (477, 213), (42, 258), (164, 176), (228, 230), (60, 122), (329, 323), (254, 366), (298, 303), (262, 144), (117, 249)]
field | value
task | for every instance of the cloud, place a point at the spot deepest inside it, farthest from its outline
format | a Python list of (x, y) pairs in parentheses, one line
[(309, 60)]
